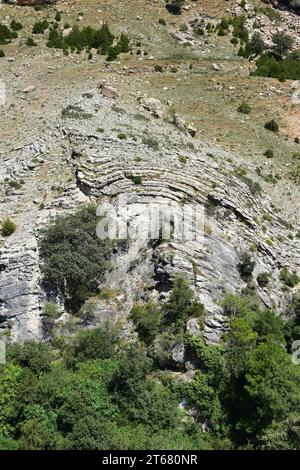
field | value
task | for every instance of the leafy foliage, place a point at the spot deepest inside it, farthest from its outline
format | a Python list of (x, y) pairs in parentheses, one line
[(75, 259), (87, 38), (95, 391), (8, 227)]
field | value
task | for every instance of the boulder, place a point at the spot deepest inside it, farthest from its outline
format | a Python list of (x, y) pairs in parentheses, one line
[(154, 106), (108, 91)]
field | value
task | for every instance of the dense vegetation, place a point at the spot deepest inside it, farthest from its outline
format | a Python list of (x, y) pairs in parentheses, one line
[(89, 38), (68, 38), (276, 62), (96, 391)]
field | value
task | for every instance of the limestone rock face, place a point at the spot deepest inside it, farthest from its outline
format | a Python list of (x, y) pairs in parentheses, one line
[(184, 208), (21, 295), (154, 106)]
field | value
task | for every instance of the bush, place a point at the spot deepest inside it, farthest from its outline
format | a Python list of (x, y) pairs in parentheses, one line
[(2, 53), (256, 45), (158, 68), (75, 260), (283, 69), (174, 6), (122, 136), (263, 279), (95, 344), (282, 43), (16, 25), (6, 35), (272, 126), (40, 27), (244, 108), (123, 44), (57, 17), (182, 159), (87, 38), (50, 314), (246, 266), (30, 42), (8, 227), (112, 54), (137, 179), (36, 356), (181, 305), (288, 278), (269, 153), (147, 321)]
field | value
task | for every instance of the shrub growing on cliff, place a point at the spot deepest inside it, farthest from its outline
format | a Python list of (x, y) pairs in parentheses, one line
[(282, 43), (246, 266), (288, 278), (8, 227), (75, 259)]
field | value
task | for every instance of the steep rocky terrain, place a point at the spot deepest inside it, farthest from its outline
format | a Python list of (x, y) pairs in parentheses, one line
[(66, 141)]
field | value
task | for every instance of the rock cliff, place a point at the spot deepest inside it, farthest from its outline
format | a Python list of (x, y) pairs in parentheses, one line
[(100, 150)]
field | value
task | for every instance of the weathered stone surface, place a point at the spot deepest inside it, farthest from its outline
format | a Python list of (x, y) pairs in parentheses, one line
[(154, 106), (84, 165)]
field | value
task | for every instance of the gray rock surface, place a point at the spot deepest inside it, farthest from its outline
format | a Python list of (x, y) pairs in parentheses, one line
[(74, 163)]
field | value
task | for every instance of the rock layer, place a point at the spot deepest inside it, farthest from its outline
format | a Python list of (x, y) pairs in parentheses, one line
[(118, 154)]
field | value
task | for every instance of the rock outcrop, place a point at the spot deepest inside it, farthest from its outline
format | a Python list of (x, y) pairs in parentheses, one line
[(134, 167)]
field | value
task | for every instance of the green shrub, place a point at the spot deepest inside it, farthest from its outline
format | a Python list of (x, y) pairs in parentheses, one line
[(147, 320), (244, 108), (288, 278), (16, 25), (272, 126), (137, 179), (75, 260), (8, 227), (6, 35), (263, 279), (282, 43), (158, 68), (122, 136), (269, 153), (123, 44), (2, 53), (181, 305), (30, 42), (36, 356), (40, 27), (98, 343), (112, 54), (255, 46), (246, 266), (89, 38), (283, 69)]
